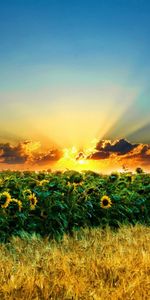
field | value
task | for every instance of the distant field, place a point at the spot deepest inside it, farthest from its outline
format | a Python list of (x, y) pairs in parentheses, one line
[(93, 264), (51, 204)]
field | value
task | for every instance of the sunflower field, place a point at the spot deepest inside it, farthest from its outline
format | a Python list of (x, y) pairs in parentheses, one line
[(53, 203)]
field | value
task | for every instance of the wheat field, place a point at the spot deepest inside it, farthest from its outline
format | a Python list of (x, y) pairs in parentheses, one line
[(93, 264)]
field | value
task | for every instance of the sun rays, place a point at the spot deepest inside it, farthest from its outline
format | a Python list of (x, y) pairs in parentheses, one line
[(69, 123), (71, 160), (76, 117)]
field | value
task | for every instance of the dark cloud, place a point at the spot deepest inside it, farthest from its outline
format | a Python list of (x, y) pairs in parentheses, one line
[(120, 147), (118, 152), (145, 151), (25, 153), (99, 155), (45, 158), (12, 154), (122, 152), (104, 149), (80, 155), (142, 154), (139, 157)]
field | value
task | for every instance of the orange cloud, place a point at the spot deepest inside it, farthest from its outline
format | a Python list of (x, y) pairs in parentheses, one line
[(27, 153), (105, 155), (122, 152)]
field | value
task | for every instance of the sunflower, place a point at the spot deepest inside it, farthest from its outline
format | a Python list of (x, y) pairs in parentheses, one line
[(105, 202), (33, 200), (18, 202), (27, 192), (43, 182), (1, 182), (5, 198)]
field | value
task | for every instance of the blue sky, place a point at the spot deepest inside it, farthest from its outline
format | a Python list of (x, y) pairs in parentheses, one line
[(83, 57)]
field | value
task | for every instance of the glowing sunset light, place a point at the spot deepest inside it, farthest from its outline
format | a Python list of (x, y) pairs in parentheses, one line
[(69, 161), (72, 72), (101, 156)]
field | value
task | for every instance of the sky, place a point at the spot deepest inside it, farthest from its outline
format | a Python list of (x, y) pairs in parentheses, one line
[(74, 71)]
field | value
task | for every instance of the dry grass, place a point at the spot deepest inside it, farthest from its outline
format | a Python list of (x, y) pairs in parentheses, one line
[(94, 264)]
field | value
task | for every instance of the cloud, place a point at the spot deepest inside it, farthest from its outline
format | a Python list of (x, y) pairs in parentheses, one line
[(80, 155), (120, 147), (141, 154), (12, 154), (105, 148), (27, 152), (109, 153), (44, 158), (122, 152), (99, 155)]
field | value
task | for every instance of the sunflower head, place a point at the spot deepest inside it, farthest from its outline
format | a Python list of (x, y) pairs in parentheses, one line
[(18, 203), (33, 200), (1, 182), (43, 182), (5, 199), (105, 202), (27, 192)]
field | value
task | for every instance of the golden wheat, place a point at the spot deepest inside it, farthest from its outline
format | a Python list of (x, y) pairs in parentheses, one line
[(93, 264)]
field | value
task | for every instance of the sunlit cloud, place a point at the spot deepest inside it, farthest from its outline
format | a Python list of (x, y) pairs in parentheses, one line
[(27, 153), (105, 156)]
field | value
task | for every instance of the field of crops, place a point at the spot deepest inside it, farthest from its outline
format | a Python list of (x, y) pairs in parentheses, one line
[(51, 204), (94, 264)]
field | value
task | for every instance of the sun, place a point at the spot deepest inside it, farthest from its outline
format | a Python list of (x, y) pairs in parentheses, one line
[(75, 160), (82, 162)]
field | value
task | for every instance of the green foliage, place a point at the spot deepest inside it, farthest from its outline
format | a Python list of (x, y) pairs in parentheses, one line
[(51, 204)]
